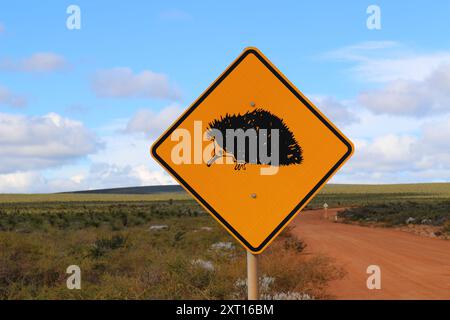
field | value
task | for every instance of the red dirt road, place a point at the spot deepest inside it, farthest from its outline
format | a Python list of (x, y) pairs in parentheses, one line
[(412, 267)]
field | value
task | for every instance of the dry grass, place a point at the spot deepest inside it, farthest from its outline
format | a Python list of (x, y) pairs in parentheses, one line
[(426, 189), (122, 258)]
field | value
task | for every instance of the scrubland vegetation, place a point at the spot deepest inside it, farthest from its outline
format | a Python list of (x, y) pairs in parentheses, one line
[(142, 250), (164, 246), (435, 213)]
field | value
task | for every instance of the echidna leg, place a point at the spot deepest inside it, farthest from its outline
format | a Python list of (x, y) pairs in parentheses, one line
[(213, 159), (239, 165), (229, 158)]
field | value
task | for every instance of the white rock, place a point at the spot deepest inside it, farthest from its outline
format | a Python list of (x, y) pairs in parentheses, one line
[(222, 245), (287, 296), (204, 264), (410, 220), (159, 227)]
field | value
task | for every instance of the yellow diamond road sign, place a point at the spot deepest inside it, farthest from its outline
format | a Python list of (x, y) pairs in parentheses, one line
[(252, 150)]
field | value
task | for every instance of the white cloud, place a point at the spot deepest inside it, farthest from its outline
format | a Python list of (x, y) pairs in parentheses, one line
[(99, 176), (11, 99), (39, 142), (399, 158), (434, 146), (123, 150), (414, 84), (413, 67), (123, 83), (386, 159), (123, 161), (335, 110), (19, 182), (127, 159), (384, 154), (103, 175), (153, 123), (37, 63), (402, 135), (429, 96), (151, 177), (386, 61), (360, 51), (436, 135), (371, 125)]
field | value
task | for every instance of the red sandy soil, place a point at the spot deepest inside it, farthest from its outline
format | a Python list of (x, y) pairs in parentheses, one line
[(412, 266)]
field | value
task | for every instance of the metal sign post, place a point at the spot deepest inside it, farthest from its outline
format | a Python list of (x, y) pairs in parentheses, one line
[(252, 276)]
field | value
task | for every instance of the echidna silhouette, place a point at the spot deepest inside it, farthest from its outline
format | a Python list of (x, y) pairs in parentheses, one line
[(262, 123)]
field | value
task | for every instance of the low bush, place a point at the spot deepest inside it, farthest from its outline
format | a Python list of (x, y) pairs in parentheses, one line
[(122, 257), (400, 213)]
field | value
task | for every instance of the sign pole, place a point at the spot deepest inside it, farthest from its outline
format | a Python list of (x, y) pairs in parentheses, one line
[(252, 276)]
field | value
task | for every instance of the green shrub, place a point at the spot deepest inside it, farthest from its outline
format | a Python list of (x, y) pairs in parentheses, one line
[(400, 213), (104, 245)]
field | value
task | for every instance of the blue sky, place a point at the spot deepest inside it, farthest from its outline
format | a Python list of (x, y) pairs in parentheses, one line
[(387, 89)]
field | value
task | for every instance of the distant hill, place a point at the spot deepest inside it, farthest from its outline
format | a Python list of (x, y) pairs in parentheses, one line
[(442, 189), (135, 190)]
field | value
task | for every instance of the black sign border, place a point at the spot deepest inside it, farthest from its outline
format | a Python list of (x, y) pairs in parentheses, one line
[(200, 100)]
